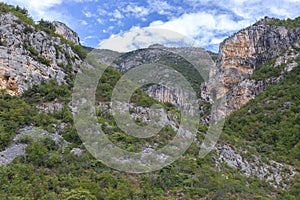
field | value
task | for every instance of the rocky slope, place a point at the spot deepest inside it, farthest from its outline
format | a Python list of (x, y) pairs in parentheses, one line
[(66, 32), (29, 56)]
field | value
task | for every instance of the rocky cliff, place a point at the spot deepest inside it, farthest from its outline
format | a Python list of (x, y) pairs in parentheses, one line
[(66, 32), (243, 53), (29, 55)]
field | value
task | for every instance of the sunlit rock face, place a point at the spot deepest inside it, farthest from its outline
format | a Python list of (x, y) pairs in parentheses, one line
[(29, 56), (66, 32), (241, 54)]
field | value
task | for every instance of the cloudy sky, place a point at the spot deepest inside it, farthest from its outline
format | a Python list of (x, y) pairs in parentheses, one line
[(207, 22)]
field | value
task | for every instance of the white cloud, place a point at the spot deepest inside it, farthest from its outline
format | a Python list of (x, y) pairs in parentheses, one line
[(117, 14), (136, 11), (85, 39), (143, 37), (254, 9), (204, 27), (210, 27), (83, 22), (89, 37), (38, 9), (83, 1), (207, 21), (100, 21), (88, 14), (160, 6), (102, 11)]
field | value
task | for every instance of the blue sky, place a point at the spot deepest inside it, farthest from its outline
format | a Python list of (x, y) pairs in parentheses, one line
[(207, 22)]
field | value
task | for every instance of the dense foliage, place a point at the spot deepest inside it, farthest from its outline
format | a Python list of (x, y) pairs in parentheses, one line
[(289, 23), (14, 113), (271, 121), (49, 171)]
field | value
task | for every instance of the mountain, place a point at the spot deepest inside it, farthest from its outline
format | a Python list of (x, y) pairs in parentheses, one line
[(256, 157), (33, 53), (242, 56)]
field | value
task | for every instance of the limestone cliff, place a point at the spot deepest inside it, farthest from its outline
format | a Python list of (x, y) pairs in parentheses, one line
[(241, 54), (239, 57), (66, 32), (29, 56)]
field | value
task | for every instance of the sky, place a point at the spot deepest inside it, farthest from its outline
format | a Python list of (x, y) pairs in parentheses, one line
[(109, 23)]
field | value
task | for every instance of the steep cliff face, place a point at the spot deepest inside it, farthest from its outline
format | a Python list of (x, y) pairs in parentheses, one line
[(241, 54), (248, 89), (66, 32), (29, 56), (174, 95)]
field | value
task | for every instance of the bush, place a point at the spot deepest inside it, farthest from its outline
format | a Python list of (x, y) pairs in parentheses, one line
[(43, 60), (46, 26), (288, 23), (32, 51), (47, 91)]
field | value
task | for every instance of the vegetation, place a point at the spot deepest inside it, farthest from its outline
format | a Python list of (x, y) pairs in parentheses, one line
[(51, 172), (14, 113), (186, 69), (266, 70), (37, 56), (47, 91), (288, 23), (46, 26), (268, 125), (178, 63), (21, 13)]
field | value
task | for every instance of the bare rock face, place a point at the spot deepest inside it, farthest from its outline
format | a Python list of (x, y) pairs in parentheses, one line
[(242, 53), (273, 172), (173, 95), (29, 56), (66, 32), (247, 89)]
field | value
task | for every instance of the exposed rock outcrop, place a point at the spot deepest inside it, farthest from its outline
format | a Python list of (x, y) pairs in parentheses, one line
[(273, 172), (242, 53), (66, 32), (29, 56), (17, 148)]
